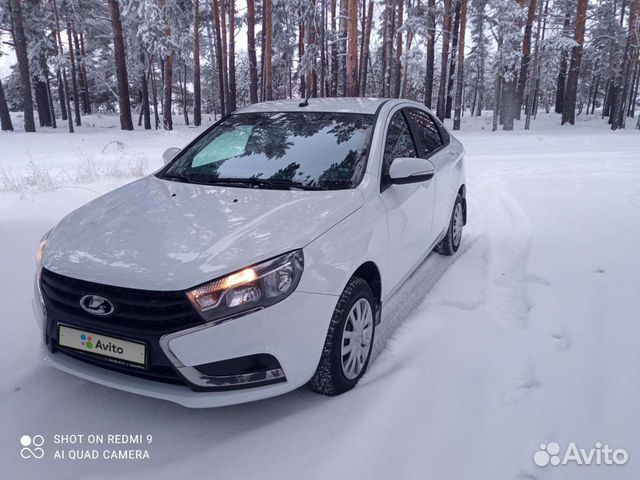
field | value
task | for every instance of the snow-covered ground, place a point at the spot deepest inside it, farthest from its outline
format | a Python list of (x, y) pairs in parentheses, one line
[(529, 335)]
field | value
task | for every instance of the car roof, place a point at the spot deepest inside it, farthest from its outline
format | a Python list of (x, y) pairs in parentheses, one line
[(333, 104)]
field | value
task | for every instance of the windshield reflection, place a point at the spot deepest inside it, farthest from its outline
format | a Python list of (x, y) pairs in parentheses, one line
[(310, 149)]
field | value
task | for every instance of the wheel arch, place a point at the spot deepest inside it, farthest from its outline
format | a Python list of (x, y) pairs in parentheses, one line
[(462, 191), (370, 273)]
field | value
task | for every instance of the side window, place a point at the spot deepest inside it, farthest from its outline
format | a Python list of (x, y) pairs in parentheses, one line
[(428, 134), (398, 143)]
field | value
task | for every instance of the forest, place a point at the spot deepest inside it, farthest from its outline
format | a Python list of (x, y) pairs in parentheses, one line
[(151, 60)]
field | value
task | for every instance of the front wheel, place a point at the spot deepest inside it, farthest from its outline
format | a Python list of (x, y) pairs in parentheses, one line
[(451, 241), (349, 341)]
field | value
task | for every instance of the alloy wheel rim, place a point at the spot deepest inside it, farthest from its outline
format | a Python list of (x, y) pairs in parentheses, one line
[(356, 339), (457, 224)]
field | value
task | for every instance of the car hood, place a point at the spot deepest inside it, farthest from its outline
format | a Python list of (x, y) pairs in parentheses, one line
[(154, 234)]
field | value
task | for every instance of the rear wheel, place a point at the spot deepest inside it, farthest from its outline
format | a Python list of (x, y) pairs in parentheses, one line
[(451, 241), (349, 341)]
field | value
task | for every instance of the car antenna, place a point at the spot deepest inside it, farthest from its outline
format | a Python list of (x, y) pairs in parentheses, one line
[(305, 103)]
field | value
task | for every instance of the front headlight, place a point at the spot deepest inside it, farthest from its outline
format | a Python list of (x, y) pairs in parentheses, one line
[(257, 286), (40, 257)]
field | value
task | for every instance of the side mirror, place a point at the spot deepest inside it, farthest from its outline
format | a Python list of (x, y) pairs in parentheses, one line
[(410, 170), (169, 154)]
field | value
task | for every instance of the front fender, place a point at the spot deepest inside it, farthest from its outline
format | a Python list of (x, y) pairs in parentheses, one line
[(332, 258)]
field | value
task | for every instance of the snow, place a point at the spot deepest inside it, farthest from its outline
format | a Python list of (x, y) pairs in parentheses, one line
[(529, 335)]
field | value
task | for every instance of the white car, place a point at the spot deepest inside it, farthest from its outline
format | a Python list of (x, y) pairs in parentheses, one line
[(258, 259)]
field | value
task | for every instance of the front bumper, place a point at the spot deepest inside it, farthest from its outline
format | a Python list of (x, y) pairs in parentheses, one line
[(293, 331)]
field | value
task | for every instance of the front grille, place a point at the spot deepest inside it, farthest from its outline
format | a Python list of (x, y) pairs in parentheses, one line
[(147, 310), (140, 315)]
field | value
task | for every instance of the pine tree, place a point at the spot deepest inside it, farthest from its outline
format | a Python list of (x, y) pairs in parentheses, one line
[(625, 83), (430, 63), (267, 49), (251, 47), (5, 118), (352, 49), (232, 56), (569, 102), (121, 66), (446, 38), (63, 86), (197, 90), (20, 46), (460, 77)]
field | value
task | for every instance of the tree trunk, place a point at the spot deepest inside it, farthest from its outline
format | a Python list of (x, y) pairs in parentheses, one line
[(446, 35), (225, 58), (262, 51), (367, 49), (268, 46), (63, 86), (220, 60), (323, 49), (562, 71), (431, 41), (363, 33), (334, 53), (21, 49), (232, 56), (167, 82), (460, 73), (526, 57), (496, 100), (311, 82), (86, 99), (508, 99), (352, 49), (183, 93), (595, 95), (634, 92), (397, 64), (453, 62), (144, 85), (126, 122), (197, 88), (52, 110), (168, 92), (342, 47), (42, 102), (79, 74), (154, 92), (626, 69), (61, 98), (251, 47), (72, 61), (5, 118), (301, 41), (569, 103), (535, 75)]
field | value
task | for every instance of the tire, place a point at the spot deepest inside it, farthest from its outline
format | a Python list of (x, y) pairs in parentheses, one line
[(332, 377), (451, 241)]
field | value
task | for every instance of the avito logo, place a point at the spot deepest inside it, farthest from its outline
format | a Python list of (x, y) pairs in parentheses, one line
[(88, 342), (601, 454)]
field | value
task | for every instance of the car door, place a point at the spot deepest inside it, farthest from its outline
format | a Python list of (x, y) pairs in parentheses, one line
[(431, 145), (409, 206)]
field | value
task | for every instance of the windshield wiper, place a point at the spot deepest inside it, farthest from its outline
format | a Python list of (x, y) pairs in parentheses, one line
[(180, 177), (264, 183)]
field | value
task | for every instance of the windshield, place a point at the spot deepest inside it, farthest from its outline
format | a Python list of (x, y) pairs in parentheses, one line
[(308, 150)]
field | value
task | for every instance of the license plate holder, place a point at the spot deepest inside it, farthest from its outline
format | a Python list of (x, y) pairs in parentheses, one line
[(102, 346)]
